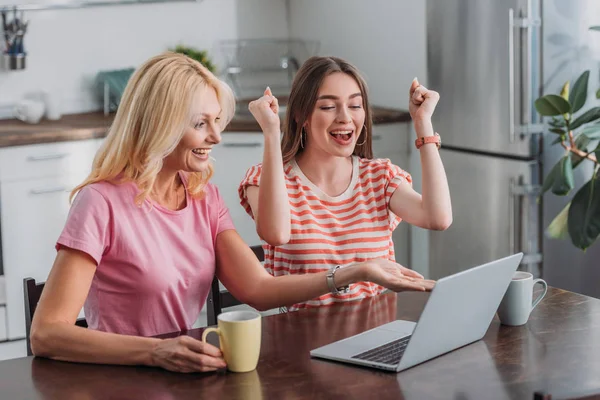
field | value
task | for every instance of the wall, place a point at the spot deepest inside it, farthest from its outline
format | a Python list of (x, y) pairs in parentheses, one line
[(384, 39), (259, 19), (68, 47)]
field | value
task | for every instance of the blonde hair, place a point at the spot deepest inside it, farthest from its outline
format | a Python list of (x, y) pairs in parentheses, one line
[(150, 121), (303, 97)]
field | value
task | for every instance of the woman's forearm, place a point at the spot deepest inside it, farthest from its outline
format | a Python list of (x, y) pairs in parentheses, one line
[(66, 342), (292, 289), (435, 191), (273, 220)]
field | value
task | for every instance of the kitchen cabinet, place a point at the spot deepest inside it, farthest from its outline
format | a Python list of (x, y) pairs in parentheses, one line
[(232, 158), (392, 141), (35, 182)]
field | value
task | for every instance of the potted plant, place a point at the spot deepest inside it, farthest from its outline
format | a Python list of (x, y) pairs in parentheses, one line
[(578, 133), (199, 55)]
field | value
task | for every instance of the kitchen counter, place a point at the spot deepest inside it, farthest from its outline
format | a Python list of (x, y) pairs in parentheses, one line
[(95, 125)]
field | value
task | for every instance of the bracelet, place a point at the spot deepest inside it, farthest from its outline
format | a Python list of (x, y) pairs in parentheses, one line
[(429, 139), (331, 282)]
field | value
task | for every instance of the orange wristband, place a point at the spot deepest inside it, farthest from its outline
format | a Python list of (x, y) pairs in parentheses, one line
[(429, 139)]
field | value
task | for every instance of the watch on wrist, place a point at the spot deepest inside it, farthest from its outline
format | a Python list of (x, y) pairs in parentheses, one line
[(331, 282), (429, 139)]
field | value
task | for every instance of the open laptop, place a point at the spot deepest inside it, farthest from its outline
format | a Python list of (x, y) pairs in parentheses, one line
[(459, 311)]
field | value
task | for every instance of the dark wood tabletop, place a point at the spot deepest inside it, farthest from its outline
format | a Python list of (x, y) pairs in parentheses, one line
[(14, 132), (557, 352)]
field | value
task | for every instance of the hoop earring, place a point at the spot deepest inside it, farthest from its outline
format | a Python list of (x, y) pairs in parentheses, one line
[(365, 139), (302, 133)]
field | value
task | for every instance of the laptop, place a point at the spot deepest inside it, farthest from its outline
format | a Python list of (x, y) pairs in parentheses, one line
[(458, 312)]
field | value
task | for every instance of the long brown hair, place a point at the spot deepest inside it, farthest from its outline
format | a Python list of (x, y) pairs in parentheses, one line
[(151, 120), (303, 97)]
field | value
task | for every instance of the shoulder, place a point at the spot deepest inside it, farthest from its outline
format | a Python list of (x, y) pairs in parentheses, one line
[(211, 191), (106, 193), (380, 166), (375, 164)]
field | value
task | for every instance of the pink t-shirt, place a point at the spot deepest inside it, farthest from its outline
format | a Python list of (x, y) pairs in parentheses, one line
[(155, 265)]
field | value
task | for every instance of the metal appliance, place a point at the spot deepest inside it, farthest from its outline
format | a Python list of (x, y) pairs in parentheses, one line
[(490, 60)]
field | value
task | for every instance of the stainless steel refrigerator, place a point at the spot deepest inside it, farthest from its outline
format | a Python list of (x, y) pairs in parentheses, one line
[(490, 60)]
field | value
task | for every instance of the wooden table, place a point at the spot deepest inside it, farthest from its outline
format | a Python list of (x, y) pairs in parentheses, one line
[(558, 352)]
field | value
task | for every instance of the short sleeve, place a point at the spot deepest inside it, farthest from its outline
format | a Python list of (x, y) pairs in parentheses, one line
[(395, 176), (88, 224), (224, 221), (252, 178)]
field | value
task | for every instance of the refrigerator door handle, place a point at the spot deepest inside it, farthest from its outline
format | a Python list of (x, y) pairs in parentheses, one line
[(511, 216), (511, 76), (526, 127)]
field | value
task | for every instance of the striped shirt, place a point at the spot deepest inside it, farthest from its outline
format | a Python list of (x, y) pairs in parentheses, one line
[(327, 231)]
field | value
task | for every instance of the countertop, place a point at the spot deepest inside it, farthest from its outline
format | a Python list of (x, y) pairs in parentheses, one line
[(95, 125)]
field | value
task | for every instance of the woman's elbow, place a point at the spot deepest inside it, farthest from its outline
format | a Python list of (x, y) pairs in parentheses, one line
[(442, 223), (275, 238), (39, 340)]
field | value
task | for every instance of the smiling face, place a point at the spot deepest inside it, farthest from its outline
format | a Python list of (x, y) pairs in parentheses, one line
[(203, 132), (337, 120)]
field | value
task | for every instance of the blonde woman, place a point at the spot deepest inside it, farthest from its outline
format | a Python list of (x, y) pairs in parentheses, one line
[(146, 233), (319, 199)]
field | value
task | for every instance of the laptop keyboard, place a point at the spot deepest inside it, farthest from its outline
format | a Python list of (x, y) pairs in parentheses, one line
[(389, 353)]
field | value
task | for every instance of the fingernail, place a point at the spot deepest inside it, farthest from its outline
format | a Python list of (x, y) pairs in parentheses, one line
[(415, 79)]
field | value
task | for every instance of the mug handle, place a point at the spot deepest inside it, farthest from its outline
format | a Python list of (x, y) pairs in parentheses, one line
[(540, 297), (209, 330), (19, 113)]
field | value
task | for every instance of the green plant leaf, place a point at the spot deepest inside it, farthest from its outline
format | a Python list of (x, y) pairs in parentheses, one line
[(581, 142), (598, 94), (597, 153), (563, 180), (557, 130), (559, 227), (584, 215), (550, 178), (557, 122), (594, 28), (578, 94), (590, 115), (552, 105), (557, 140), (592, 131)]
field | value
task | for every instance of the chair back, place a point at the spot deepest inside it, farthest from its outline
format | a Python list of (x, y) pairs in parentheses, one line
[(547, 396), (219, 299), (32, 292)]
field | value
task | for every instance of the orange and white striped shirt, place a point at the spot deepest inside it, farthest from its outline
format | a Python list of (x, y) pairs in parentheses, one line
[(327, 231)]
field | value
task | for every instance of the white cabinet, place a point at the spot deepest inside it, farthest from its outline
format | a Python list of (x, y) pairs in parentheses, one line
[(33, 210), (392, 141), (233, 156)]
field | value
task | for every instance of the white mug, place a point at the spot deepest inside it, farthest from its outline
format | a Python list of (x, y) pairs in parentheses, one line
[(517, 305), (29, 110), (52, 102)]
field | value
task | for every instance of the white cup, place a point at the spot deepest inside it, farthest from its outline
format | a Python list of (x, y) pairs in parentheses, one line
[(517, 303), (29, 110), (52, 102)]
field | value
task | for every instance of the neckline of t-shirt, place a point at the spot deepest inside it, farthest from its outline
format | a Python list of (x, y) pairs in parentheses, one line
[(166, 210), (321, 194)]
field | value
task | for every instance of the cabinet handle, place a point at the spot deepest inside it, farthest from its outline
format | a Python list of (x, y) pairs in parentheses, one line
[(376, 137), (47, 157), (49, 190), (256, 144)]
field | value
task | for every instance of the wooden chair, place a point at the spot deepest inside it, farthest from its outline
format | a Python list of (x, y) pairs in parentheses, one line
[(219, 299), (32, 292), (546, 396)]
